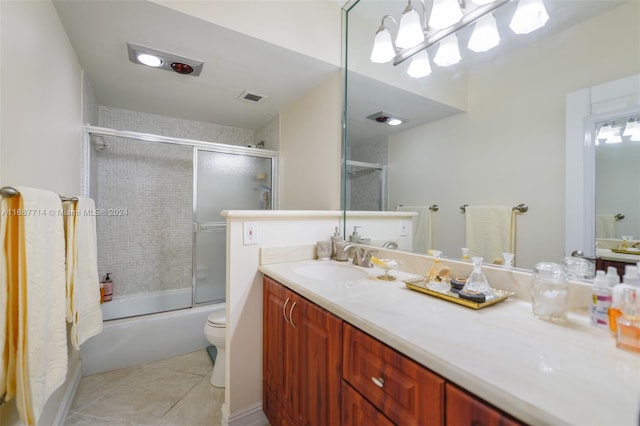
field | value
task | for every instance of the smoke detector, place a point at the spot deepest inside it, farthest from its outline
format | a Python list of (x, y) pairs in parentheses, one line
[(251, 97), (387, 118), (163, 60)]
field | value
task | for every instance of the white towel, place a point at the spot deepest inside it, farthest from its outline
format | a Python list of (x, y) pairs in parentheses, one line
[(83, 283), (34, 279), (605, 226), (489, 231), (421, 225)]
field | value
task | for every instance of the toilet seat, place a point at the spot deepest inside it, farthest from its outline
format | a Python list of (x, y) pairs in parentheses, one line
[(216, 320)]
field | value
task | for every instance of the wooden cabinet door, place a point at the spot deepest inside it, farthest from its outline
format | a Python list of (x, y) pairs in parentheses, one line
[(278, 346), (357, 411), (463, 408), (319, 358)]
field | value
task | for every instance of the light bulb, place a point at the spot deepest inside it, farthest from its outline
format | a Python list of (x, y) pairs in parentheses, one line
[(419, 66), (410, 30), (444, 13), (448, 52), (394, 122), (485, 34), (150, 60), (383, 50), (530, 16)]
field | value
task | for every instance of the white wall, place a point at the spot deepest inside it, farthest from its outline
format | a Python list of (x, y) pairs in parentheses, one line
[(40, 118), (310, 149), (310, 27), (41, 93), (510, 147)]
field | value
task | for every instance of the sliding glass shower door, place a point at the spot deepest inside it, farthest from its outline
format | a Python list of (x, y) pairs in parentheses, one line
[(223, 181)]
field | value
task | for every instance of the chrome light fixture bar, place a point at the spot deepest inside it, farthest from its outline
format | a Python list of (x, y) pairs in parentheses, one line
[(467, 19)]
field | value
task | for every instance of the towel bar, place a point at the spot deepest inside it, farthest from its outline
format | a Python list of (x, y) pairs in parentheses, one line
[(522, 208), (8, 192)]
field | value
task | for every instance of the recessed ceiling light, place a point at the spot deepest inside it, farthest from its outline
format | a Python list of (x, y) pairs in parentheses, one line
[(387, 118), (394, 122), (150, 60), (163, 60)]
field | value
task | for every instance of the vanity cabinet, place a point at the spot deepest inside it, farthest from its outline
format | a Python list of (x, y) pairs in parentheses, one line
[(404, 391), (302, 362), (462, 408)]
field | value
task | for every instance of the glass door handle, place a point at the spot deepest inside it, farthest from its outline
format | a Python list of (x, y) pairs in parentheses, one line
[(209, 226)]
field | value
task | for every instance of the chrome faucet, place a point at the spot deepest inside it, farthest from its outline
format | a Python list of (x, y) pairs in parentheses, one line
[(361, 255), (390, 244)]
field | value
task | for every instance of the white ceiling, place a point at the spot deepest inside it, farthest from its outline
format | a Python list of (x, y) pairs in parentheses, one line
[(233, 62)]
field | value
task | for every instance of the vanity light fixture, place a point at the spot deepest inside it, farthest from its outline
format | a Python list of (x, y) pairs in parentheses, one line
[(163, 60), (416, 33), (383, 48), (605, 132), (419, 65), (448, 52), (632, 128)]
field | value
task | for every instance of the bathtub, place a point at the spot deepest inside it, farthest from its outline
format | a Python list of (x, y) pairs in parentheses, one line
[(131, 341)]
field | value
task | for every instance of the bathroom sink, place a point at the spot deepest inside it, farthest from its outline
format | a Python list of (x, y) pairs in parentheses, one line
[(331, 272)]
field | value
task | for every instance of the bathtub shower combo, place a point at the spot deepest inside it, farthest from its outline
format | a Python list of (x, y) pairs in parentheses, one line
[(162, 238)]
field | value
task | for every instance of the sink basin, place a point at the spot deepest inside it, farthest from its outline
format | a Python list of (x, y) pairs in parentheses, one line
[(330, 272)]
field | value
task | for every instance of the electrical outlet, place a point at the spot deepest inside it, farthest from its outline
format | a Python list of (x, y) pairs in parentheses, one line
[(250, 232), (404, 228)]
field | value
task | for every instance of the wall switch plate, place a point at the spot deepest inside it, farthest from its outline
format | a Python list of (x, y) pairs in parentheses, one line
[(404, 228), (250, 232)]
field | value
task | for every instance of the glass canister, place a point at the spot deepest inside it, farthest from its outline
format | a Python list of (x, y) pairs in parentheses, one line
[(550, 292)]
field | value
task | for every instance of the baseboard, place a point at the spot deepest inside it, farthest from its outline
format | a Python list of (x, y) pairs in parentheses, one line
[(69, 394), (253, 416)]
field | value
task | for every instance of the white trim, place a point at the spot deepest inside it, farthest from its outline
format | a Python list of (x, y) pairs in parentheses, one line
[(252, 416), (311, 214), (69, 395)]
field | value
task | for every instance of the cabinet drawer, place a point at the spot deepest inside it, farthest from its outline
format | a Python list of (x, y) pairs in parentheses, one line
[(464, 409), (357, 411), (406, 392)]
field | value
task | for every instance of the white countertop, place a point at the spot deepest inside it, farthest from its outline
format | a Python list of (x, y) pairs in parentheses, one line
[(540, 372), (607, 254)]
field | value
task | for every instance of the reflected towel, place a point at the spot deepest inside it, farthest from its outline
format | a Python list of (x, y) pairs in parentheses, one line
[(421, 226), (83, 283), (605, 226), (34, 279), (489, 231)]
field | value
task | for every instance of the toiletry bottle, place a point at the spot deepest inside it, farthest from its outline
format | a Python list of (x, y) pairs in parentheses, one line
[(101, 293), (601, 296), (628, 327), (107, 284), (335, 239), (630, 279)]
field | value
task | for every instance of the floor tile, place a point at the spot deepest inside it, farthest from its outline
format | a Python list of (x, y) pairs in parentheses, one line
[(197, 362), (201, 406)]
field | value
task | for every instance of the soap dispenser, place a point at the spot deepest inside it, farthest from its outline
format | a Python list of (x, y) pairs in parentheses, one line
[(335, 239), (355, 237)]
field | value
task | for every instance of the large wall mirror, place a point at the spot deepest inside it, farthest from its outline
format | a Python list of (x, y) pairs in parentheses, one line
[(490, 130)]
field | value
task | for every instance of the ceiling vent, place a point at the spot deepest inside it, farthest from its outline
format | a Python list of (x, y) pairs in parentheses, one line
[(251, 97), (163, 60)]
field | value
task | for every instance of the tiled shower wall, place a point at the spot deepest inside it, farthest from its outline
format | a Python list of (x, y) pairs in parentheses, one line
[(149, 248)]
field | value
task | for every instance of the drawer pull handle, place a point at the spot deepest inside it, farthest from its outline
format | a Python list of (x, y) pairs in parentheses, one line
[(284, 314), (290, 312), (379, 381)]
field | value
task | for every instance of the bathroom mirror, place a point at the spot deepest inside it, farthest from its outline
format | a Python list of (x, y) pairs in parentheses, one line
[(489, 130)]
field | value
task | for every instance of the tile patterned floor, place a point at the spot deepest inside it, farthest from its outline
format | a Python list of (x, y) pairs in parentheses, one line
[(171, 392)]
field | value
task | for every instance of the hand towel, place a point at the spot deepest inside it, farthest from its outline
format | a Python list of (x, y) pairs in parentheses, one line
[(83, 283), (489, 231), (421, 226), (605, 226), (35, 282)]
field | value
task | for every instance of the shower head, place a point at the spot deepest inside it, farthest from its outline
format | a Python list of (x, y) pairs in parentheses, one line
[(99, 142)]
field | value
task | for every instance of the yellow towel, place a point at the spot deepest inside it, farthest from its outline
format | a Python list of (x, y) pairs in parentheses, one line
[(421, 226), (83, 283), (489, 231), (605, 226), (35, 342)]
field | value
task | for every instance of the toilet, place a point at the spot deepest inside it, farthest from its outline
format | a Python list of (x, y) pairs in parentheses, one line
[(215, 330)]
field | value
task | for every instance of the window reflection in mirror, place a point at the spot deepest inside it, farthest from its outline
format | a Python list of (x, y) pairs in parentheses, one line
[(489, 130)]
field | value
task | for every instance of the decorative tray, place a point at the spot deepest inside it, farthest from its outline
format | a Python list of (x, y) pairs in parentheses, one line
[(627, 251), (420, 285)]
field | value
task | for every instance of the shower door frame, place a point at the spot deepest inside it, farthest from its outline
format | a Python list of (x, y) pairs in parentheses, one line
[(195, 145)]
